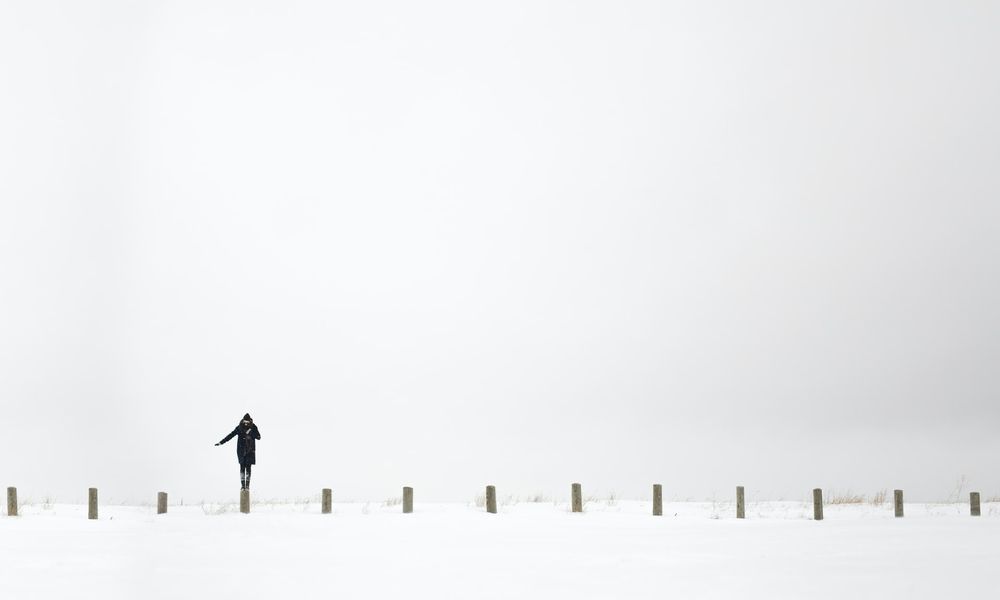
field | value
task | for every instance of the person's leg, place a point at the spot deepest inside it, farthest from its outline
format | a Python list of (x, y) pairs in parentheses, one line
[(243, 478), (248, 476)]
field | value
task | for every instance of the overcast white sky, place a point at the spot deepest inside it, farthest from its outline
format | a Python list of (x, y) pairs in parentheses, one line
[(446, 244)]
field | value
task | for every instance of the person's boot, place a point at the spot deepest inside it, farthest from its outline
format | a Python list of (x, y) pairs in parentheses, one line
[(243, 481), (248, 482)]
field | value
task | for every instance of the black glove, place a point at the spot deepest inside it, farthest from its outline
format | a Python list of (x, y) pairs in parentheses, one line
[(218, 443)]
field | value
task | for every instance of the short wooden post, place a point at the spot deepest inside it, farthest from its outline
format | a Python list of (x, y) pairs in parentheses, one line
[(327, 501), (161, 503), (491, 499), (897, 496), (973, 504), (92, 503), (407, 499), (245, 501), (817, 504), (740, 503), (657, 500), (12, 502), (577, 493)]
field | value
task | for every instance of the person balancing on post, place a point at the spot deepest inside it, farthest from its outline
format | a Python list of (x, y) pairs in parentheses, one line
[(246, 445)]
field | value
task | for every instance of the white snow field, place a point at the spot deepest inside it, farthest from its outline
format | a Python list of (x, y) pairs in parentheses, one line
[(529, 550)]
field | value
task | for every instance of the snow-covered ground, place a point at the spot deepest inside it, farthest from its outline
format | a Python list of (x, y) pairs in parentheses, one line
[(529, 550)]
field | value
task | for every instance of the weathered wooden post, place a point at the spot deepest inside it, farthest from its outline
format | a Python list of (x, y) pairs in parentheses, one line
[(92, 503), (245, 501), (973, 504), (491, 499), (407, 499), (12, 502), (817, 504), (161, 503), (657, 500), (577, 492), (897, 496), (327, 501), (740, 504)]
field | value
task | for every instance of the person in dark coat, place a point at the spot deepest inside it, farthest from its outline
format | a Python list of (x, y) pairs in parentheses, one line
[(246, 435)]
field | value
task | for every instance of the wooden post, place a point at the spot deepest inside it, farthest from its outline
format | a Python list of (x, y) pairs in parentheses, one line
[(897, 496), (12, 502), (491, 499), (92, 503), (161, 503), (577, 493), (327, 501), (818, 504), (245, 501), (973, 504), (740, 503), (407, 499), (657, 500)]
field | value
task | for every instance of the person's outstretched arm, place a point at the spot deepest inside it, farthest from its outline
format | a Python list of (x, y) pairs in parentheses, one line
[(230, 436)]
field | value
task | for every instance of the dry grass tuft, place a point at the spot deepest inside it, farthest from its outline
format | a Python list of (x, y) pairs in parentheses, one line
[(846, 498)]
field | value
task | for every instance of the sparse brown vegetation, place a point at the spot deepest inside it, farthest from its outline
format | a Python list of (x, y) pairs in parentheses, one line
[(847, 497)]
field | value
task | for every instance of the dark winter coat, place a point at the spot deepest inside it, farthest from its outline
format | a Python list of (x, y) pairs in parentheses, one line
[(246, 441)]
